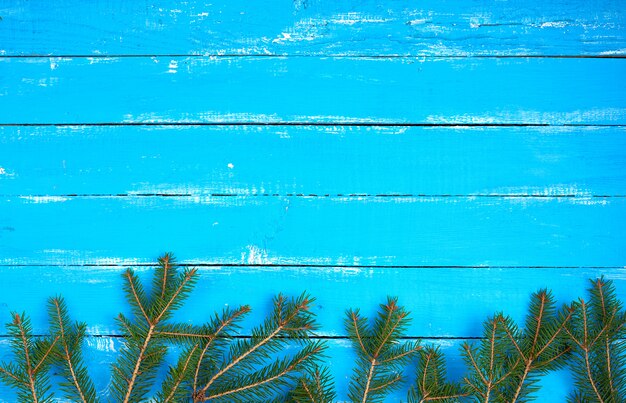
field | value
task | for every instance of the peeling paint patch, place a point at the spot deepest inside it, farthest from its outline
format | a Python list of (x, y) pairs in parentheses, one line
[(255, 255), (554, 24), (173, 67)]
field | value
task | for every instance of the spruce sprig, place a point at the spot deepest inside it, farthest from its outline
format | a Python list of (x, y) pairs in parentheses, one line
[(316, 386), (538, 348), (509, 361), (597, 332), (430, 381), (135, 370), (28, 373), (488, 361), (380, 354), (243, 373), (77, 386)]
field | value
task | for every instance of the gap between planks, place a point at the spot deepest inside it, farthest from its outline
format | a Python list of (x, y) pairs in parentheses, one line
[(331, 55), (298, 123), (328, 195), (307, 265)]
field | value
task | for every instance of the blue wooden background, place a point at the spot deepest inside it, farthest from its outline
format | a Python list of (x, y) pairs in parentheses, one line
[(457, 154)]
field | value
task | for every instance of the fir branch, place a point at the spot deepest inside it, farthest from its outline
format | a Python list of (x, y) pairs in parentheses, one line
[(510, 360), (290, 319), (173, 387), (430, 382), (540, 347), (262, 384), (597, 331), (380, 359), (78, 386), (315, 386), (135, 369), (32, 359)]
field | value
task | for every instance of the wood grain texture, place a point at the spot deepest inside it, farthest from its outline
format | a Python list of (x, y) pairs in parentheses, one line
[(260, 160), (313, 27), (102, 352), (313, 90), (294, 230), (444, 302)]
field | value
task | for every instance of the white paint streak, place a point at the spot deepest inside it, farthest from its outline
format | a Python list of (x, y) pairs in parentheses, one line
[(476, 21), (44, 199), (202, 117), (614, 52), (255, 255), (352, 18), (554, 24), (596, 115)]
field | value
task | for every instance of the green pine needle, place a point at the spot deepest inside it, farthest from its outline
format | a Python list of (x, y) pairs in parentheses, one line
[(77, 386), (380, 356), (508, 361), (242, 372), (316, 386), (430, 381), (28, 373), (135, 370), (597, 332)]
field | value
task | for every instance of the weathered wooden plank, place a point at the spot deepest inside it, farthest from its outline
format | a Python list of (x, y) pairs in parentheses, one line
[(100, 353), (578, 231), (444, 302), (319, 90), (400, 27), (249, 160), (478, 293)]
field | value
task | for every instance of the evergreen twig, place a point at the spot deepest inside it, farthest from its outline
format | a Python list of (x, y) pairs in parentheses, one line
[(32, 359), (508, 362), (244, 374), (135, 370), (597, 333), (316, 386), (430, 381), (77, 386), (380, 356)]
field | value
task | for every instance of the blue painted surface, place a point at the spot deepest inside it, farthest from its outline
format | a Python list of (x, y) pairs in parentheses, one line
[(313, 90), (365, 209)]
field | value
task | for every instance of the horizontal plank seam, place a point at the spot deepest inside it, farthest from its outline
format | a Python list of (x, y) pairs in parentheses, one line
[(317, 56), (315, 337), (304, 123), (326, 195), (312, 265)]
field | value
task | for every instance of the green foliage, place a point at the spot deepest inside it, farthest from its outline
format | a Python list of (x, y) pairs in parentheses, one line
[(381, 356), (430, 380), (506, 364), (215, 364), (597, 335), (143, 353), (316, 386), (280, 361), (242, 371), (77, 386), (28, 373)]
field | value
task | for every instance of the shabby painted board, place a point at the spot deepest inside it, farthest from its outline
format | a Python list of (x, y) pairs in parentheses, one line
[(457, 154)]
